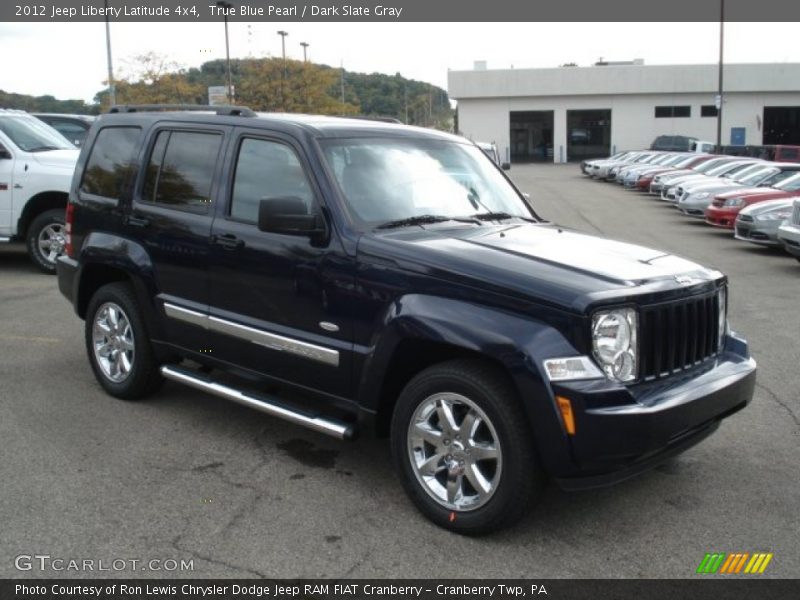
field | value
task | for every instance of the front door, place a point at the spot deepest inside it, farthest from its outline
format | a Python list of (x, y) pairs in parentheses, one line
[(277, 302), (6, 189)]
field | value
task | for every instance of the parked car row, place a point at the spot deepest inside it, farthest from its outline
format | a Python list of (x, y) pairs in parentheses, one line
[(759, 200)]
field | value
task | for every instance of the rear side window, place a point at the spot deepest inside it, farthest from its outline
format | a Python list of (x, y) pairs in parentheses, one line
[(181, 169), (111, 162)]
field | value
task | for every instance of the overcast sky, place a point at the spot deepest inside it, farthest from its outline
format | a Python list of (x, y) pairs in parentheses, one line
[(68, 60)]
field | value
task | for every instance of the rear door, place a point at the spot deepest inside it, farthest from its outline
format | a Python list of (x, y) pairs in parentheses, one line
[(171, 215), (278, 303)]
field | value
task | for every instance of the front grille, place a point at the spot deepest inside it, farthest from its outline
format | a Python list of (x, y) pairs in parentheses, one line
[(678, 335)]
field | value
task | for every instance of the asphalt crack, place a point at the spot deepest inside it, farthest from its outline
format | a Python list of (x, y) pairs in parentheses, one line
[(781, 403)]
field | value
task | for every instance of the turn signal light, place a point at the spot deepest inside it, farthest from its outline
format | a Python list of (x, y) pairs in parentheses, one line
[(567, 416)]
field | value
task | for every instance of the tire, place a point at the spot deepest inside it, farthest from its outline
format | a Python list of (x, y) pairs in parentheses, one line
[(428, 455), (46, 239), (121, 355)]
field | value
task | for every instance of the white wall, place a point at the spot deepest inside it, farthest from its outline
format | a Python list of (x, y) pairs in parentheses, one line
[(633, 122)]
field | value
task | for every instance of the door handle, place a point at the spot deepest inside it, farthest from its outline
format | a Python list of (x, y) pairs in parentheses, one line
[(227, 241), (137, 221)]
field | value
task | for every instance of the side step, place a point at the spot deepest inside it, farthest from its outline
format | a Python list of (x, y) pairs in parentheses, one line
[(263, 403)]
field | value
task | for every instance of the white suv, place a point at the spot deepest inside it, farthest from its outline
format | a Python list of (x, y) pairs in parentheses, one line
[(36, 166)]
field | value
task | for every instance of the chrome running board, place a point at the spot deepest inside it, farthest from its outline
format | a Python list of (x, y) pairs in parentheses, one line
[(266, 404)]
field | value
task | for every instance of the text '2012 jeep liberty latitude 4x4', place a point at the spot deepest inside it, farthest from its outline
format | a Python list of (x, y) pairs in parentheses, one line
[(394, 277)]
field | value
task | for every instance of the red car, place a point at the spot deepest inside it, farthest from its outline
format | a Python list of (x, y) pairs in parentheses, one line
[(725, 207)]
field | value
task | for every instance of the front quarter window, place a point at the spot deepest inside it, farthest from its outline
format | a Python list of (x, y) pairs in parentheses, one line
[(385, 180)]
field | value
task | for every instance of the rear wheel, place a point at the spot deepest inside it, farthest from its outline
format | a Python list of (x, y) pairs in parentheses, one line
[(117, 344), (46, 239), (463, 449)]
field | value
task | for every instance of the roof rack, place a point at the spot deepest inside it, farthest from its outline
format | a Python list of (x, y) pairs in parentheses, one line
[(224, 110), (374, 118)]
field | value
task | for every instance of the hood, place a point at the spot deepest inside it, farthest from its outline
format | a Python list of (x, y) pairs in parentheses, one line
[(57, 158), (760, 207), (540, 260)]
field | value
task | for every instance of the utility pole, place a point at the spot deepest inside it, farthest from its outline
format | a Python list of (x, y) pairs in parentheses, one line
[(719, 101), (283, 35), (112, 90), (226, 6), (341, 82), (305, 45)]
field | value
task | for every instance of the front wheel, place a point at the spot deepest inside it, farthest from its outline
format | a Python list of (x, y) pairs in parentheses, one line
[(463, 449), (46, 239)]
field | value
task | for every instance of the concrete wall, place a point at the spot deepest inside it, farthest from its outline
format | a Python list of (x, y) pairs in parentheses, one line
[(631, 92)]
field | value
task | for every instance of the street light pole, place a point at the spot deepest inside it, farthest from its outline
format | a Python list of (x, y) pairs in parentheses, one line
[(283, 35), (304, 45), (719, 89), (112, 90), (226, 6)]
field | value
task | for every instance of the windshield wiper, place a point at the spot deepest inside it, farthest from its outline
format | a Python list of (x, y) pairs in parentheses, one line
[(43, 148), (498, 216), (424, 220)]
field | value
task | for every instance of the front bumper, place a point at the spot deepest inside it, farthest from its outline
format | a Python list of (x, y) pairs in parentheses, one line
[(622, 431), (751, 231), (789, 236), (720, 217)]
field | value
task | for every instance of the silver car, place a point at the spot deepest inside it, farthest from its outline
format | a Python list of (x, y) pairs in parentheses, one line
[(698, 196), (759, 223)]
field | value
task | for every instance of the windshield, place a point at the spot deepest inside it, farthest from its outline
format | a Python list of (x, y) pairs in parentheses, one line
[(790, 184), (711, 164), (745, 172), (393, 179), (32, 135), (757, 177)]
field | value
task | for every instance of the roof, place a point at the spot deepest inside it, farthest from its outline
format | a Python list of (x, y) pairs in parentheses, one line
[(615, 80), (319, 126)]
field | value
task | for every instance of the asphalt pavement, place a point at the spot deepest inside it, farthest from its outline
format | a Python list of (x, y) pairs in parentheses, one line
[(186, 476)]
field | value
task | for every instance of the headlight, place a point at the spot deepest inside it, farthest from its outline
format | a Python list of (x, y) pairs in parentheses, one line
[(614, 342), (733, 202), (722, 325)]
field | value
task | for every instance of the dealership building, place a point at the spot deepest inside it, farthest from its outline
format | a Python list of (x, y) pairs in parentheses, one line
[(568, 113)]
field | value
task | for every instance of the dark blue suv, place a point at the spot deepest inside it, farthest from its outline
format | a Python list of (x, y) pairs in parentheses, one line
[(348, 275)]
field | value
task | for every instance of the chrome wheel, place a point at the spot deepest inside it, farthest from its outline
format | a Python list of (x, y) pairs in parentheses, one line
[(51, 242), (112, 341), (454, 451)]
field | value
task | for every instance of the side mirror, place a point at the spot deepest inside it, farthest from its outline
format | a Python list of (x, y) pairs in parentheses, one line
[(505, 166), (288, 215), (5, 154)]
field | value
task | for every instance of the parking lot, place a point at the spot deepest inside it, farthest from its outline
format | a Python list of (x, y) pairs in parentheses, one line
[(189, 476)]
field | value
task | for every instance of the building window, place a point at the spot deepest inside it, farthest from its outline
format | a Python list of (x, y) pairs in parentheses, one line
[(708, 110), (667, 112)]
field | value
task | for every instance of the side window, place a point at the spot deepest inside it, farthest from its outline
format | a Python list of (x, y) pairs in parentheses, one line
[(110, 162), (180, 170), (266, 169)]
